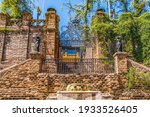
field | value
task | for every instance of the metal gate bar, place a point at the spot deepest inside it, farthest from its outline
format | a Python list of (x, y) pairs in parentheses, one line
[(77, 66)]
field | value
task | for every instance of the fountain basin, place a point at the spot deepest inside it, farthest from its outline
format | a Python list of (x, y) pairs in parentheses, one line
[(82, 95)]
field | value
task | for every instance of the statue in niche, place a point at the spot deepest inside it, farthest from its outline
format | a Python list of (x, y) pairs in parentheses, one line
[(119, 45), (37, 44)]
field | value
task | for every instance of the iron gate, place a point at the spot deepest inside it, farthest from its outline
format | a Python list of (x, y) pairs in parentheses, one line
[(77, 66)]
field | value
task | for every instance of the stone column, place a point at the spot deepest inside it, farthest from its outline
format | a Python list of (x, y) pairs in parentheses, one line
[(51, 39), (98, 44), (36, 56), (3, 23), (2, 45), (120, 62), (89, 51), (27, 17), (3, 20), (51, 33)]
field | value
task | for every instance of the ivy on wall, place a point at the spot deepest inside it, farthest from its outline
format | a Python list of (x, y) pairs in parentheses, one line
[(103, 28), (144, 24), (134, 33)]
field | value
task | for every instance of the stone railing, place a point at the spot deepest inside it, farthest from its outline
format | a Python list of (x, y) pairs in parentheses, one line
[(26, 20), (2, 72), (20, 22), (138, 66), (36, 22), (14, 22)]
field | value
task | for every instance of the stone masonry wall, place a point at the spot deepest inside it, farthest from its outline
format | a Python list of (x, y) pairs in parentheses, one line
[(17, 37), (60, 82), (16, 47), (23, 82), (114, 84)]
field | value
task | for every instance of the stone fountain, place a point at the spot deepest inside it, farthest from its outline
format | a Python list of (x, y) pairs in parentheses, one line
[(79, 91)]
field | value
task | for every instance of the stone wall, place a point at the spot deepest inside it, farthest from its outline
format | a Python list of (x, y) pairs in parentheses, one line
[(113, 84), (60, 82), (16, 47), (23, 82), (17, 37)]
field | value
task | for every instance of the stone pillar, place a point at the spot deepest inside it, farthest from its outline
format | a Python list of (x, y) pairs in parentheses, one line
[(89, 51), (2, 45), (36, 56), (51, 33), (99, 46), (51, 39), (120, 62), (3, 23), (26, 19), (3, 20)]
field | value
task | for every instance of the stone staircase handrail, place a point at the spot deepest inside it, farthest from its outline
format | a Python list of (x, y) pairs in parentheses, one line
[(139, 66), (13, 66)]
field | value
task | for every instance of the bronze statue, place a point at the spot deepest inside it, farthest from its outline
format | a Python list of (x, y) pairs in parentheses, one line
[(37, 44), (119, 45)]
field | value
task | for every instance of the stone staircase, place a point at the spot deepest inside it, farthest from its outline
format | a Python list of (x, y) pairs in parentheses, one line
[(22, 81)]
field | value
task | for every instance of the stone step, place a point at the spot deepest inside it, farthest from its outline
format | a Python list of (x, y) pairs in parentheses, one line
[(52, 96)]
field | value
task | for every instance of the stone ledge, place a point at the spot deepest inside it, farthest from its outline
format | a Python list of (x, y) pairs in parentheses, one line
[(120, 53)]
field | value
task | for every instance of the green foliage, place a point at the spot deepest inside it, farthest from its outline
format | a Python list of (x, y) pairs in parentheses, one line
[(145, 78), (139, 6), (134, 30), (103, 28), (138, 78), (144, 22), (131, 78), (128, 29), (107, 62), (6, 30), (145, 16), (15, 8), (135, 33)]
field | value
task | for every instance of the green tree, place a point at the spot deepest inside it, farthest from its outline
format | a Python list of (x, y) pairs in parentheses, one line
[(128, 29), (15, 8), (82, 12), (136, 7), (139, 6), (103, 29), (144, 22)]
